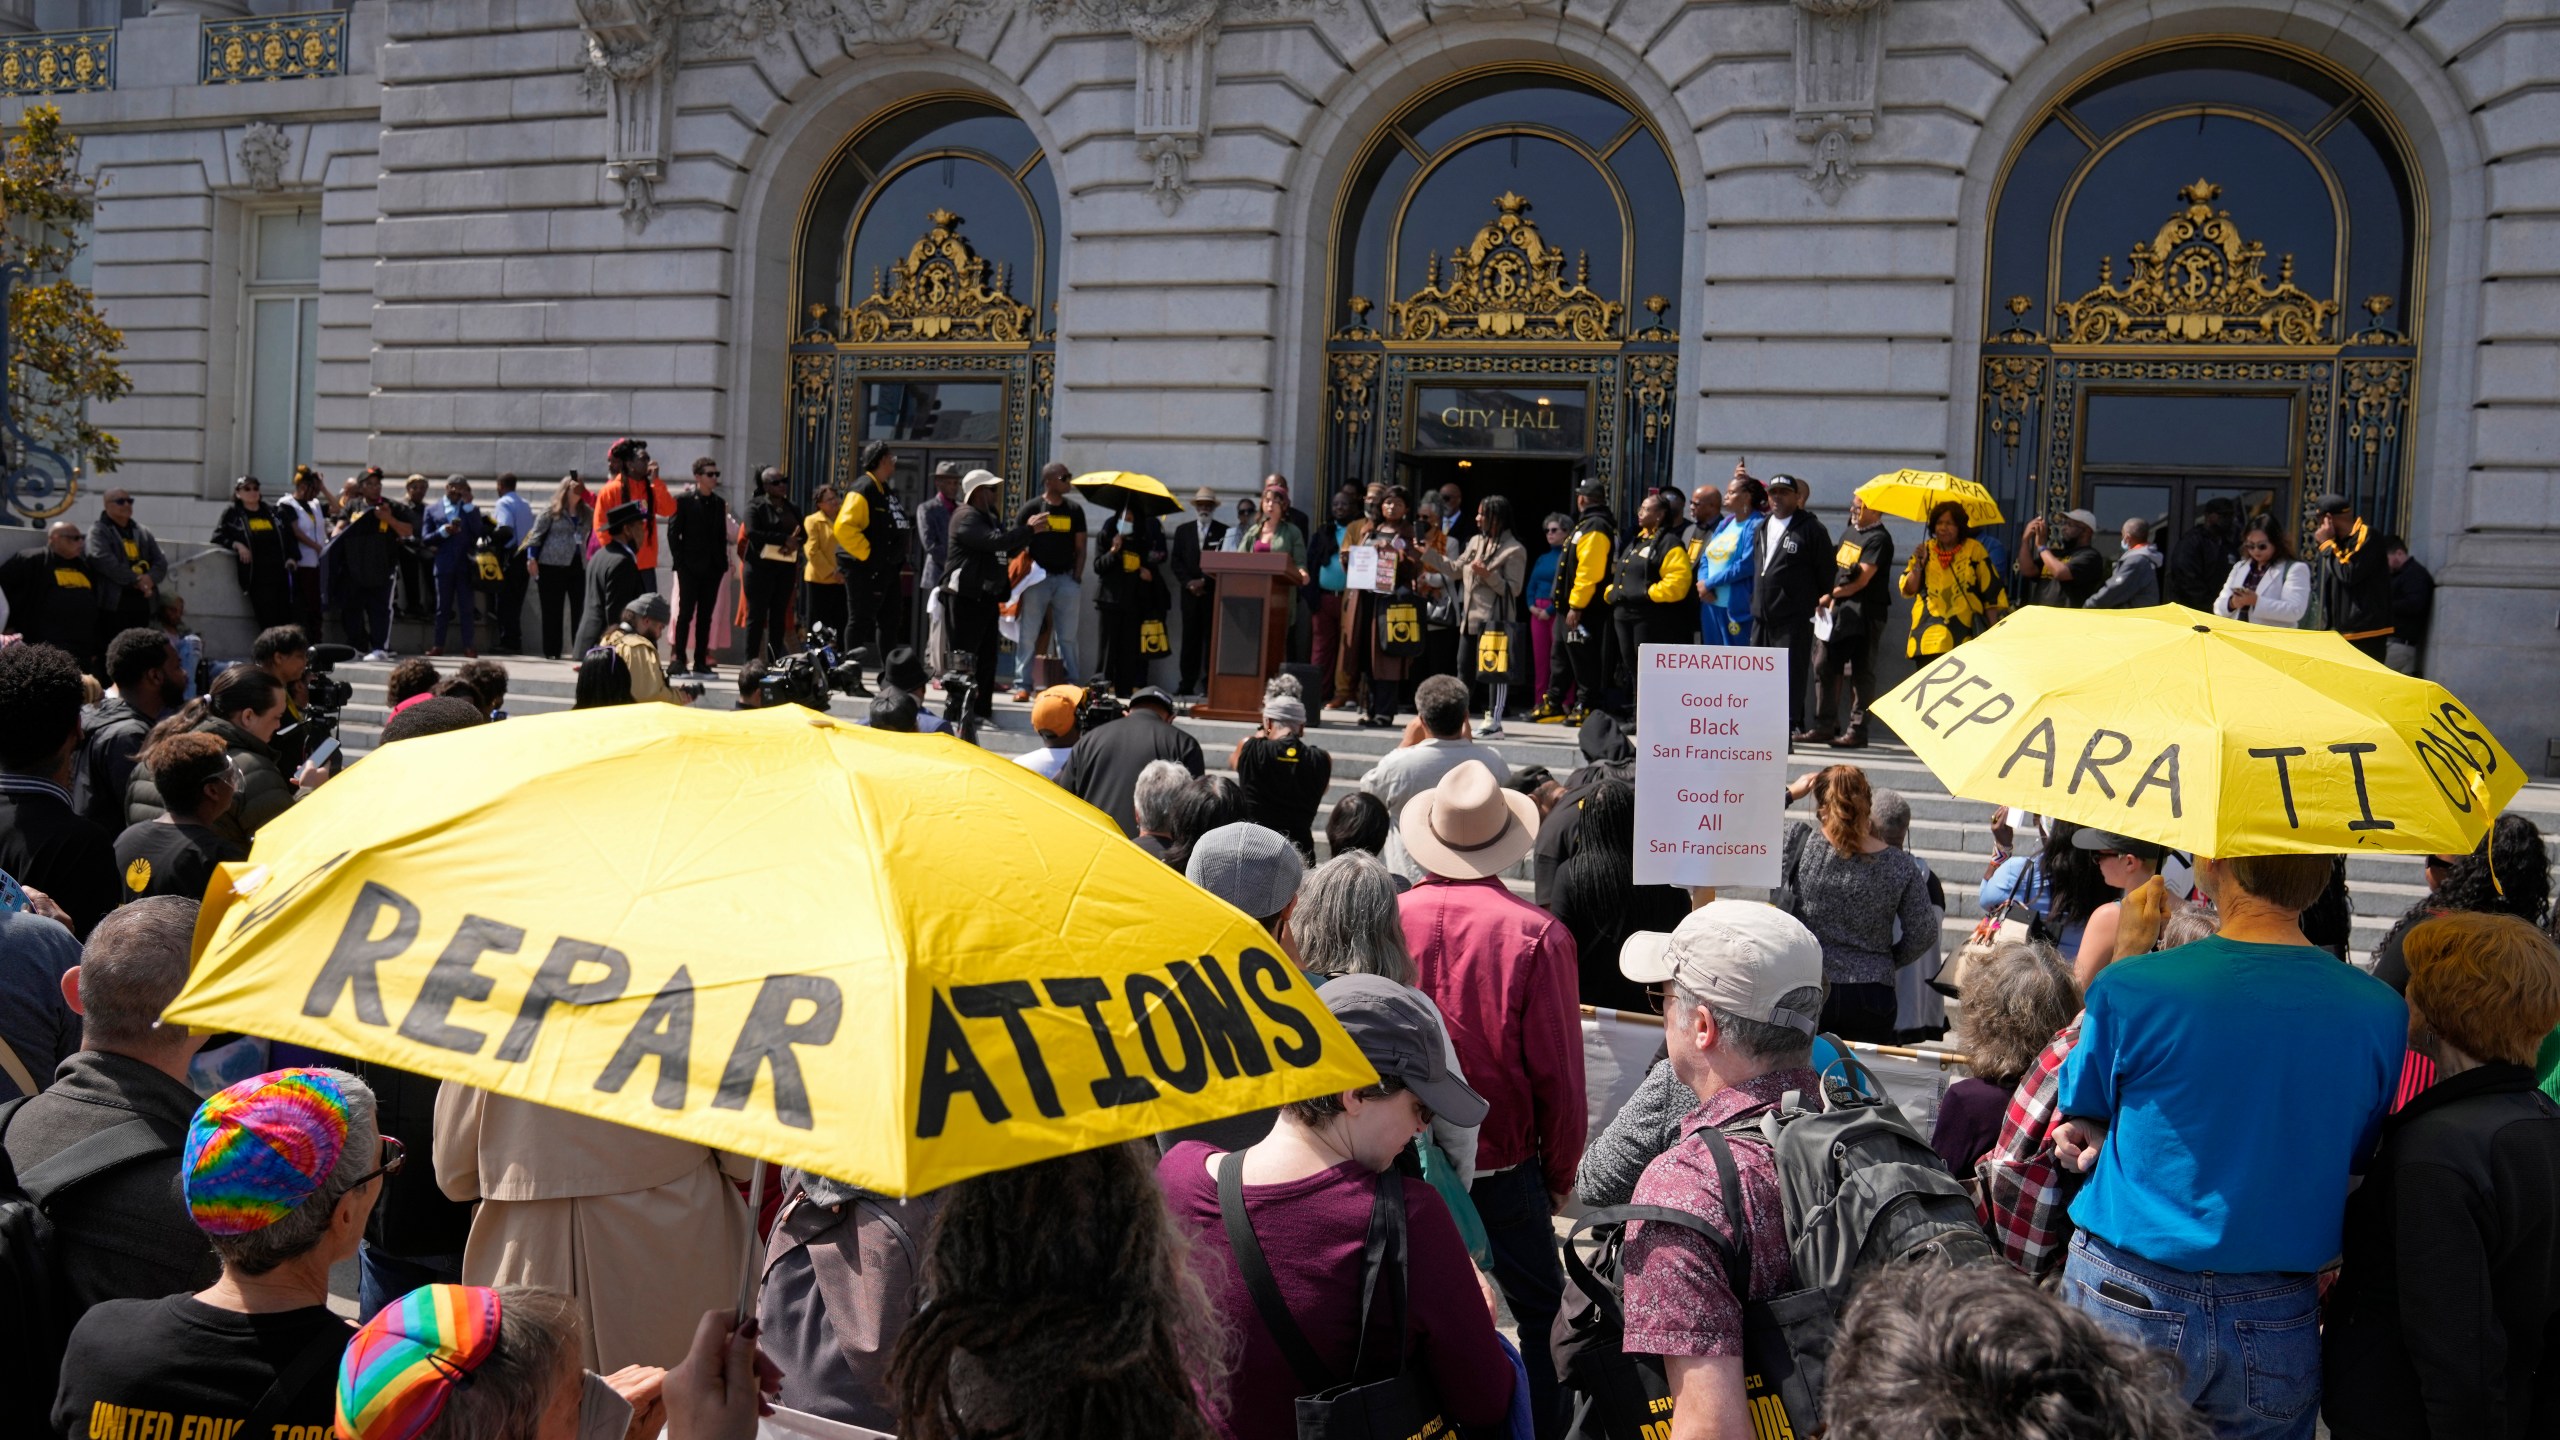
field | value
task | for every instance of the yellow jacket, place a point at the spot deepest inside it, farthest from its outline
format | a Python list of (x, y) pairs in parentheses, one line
[(1676, 570), (818, 556), (1590, 567), (853, 527)]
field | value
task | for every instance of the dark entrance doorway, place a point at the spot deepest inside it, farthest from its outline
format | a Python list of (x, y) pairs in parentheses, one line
[(1535, 488)]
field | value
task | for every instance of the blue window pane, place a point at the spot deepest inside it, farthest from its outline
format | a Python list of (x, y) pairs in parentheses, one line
[(1653, 191), (2025, 218), (1515, 99), (1569, 201), (2243, 432), (2273, 191), (2286, 90), (1361, 267), (2385, 218)]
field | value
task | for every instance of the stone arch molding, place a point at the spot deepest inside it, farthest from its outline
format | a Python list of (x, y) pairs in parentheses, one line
[(634, 47), (2395, 66)]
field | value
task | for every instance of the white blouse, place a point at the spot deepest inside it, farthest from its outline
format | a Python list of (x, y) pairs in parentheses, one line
[(2284, 594)]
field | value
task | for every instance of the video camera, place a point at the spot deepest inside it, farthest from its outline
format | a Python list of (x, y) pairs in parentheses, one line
[(1100, 707), (811, 676), (326, 698)]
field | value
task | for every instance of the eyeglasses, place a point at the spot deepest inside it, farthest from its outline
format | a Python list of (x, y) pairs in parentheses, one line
[(1657, 997), (394, 1155)]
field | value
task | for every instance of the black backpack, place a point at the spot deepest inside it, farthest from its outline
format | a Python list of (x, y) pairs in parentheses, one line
[(37, 1319), (604, 678), (1860, 1188)]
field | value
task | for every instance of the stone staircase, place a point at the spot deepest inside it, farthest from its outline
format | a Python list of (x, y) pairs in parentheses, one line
[(1949, 833)]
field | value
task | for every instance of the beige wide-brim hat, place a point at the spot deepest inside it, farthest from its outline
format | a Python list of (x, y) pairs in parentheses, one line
[(1468, 827)]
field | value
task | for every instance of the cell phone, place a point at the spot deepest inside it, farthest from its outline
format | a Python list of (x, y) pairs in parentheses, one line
[(327, 749), (2124, 1295), (13, 899)]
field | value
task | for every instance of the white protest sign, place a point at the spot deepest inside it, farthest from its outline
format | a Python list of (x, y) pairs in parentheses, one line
[(1360, 567), (1711, 764)]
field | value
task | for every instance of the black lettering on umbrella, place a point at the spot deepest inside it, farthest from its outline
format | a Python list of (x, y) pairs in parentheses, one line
[(2284, 777), (1192, 1075), (1258, 965), (2096, 769), (2028, 749), (1983, 714), (1226, 1029), (2355, 753), (950, 1068), (2454, 715), (552, 985), (767, 1038), (1006, 1000), (2163, 773), (1117, 1086), (2433, 752), (451, 978), (664, 1031), (1945, 672), (353, 959)]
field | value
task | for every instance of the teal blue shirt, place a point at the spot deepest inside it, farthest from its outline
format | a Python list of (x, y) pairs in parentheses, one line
[(2242, 1086)]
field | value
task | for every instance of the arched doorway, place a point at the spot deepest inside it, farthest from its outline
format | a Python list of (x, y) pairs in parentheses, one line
[(1504, 256), (2197, 259), (924, 273)]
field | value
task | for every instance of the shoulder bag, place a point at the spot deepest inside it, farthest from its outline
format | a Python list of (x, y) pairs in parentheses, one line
[(1404, 1405), (1792, 855)]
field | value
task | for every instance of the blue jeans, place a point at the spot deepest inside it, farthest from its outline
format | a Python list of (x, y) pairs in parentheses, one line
[(2249, 1342), (382, 1277), (1054, 597), (1528, 1271)]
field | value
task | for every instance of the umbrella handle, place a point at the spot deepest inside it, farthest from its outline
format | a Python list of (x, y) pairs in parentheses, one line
[(748, 1283)]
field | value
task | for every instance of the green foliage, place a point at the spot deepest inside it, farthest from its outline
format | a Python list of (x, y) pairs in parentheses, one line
[(62, 349)]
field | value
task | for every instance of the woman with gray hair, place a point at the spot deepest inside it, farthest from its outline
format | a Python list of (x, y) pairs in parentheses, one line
[(280, 1172), (1346, 924), (2015, 1001)]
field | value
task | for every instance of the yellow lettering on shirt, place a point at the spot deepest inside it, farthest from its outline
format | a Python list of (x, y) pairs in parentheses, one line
[(262, 525), (1061, 523), (1847, 555), (71, 579)]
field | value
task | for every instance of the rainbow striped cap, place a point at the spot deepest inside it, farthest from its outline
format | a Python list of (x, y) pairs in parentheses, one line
[(399, 1368), (262, 1147)]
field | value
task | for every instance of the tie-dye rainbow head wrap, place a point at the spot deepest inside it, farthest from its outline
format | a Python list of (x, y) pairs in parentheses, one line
[(262, 1147), (399, 1368)]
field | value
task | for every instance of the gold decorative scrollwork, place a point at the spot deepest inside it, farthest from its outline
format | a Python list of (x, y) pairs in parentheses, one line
[(2011, 383), (1359, 328), (1352, 378), (1657, 331), (1506, 284), (1650, 380), (813, 391), (58, 62), (2375, 395), (940, 294), (2375, 332), (274, 47), (2196, 281)]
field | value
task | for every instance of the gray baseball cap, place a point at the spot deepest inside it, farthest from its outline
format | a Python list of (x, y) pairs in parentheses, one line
[(1250, 867), (1396, 1030), (1741, 956), (647, 605)]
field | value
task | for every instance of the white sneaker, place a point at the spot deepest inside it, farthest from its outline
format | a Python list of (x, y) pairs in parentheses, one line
[(378, 655), (1492, 729)]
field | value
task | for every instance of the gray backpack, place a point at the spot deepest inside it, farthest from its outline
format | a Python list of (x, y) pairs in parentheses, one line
[(1862, 1189)]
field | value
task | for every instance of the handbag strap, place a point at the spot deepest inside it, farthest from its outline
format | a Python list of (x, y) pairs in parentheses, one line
[(1311, 1372), (1737, 1249), (321, 1350)]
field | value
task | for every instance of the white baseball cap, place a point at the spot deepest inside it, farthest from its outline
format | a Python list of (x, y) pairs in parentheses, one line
[(1740, 956)]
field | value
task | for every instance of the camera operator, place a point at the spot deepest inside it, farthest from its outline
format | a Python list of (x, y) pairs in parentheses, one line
[(904, 673), (978, 584), (751, 685), (635, 640), (311, 700), (1103, 770)]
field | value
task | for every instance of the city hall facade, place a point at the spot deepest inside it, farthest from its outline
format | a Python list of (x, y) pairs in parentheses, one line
[(2129, 256)]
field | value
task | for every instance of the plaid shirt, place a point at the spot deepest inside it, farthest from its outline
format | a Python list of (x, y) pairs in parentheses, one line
[(2022, 1190)]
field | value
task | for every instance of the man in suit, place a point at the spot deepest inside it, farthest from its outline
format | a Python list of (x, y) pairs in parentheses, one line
[(1203, 533), (614, 575), (1795, 565)]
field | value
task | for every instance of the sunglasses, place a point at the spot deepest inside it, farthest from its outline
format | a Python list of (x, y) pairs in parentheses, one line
[(126, 501), (394, 1155)]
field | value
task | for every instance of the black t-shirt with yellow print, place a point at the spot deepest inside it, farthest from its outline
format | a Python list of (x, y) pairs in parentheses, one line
[(176, 1366), (170, 858)]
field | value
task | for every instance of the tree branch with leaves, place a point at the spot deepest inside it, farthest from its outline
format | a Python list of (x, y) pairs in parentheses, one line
[(61, 350)]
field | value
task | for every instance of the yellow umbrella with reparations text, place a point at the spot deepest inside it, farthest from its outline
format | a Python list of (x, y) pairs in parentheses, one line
[(2211, 736), (1912, 494), (894, 959)]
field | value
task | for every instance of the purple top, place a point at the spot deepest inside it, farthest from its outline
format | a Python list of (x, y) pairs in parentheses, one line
[(1969, 1117), (1312, 1232)]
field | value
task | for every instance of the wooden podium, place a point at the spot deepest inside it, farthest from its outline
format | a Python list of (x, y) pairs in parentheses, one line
[(1249, 636)]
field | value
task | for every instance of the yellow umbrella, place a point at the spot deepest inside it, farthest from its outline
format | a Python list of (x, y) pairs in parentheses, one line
[(894, 959), (1118, 490), (1912, 494), (2205, 735)]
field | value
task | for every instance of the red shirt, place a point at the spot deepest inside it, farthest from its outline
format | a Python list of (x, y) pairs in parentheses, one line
[(1312, 1232), (1678, 1298), (1505, 977)]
